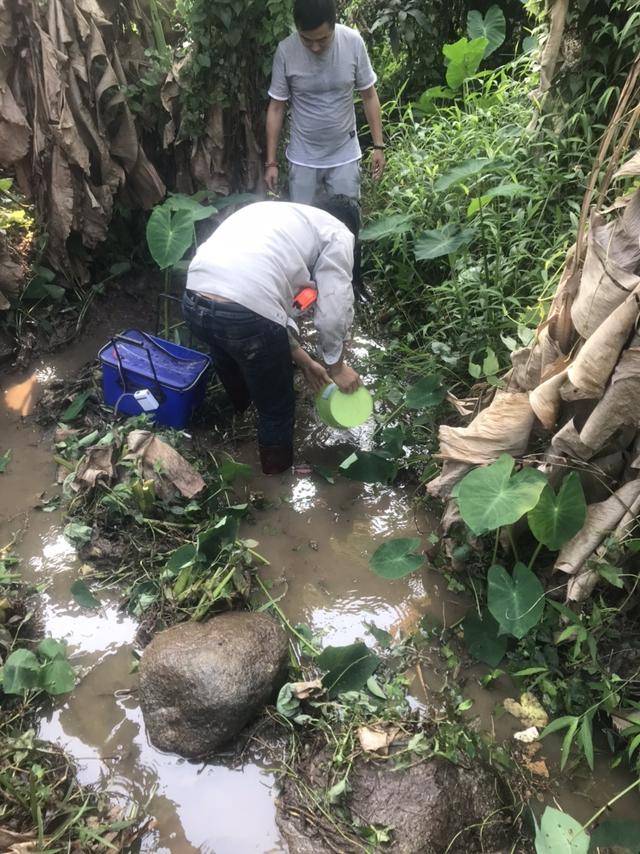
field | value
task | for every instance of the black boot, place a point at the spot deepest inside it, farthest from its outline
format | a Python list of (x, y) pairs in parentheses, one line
[(276, 459)]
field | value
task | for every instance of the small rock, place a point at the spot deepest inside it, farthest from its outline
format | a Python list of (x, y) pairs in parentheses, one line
[(201, 683)]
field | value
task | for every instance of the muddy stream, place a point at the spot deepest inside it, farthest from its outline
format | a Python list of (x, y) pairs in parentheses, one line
[(317, 538)]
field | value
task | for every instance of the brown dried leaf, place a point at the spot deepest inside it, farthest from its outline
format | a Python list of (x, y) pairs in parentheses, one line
[(307, 690), (377, 739)]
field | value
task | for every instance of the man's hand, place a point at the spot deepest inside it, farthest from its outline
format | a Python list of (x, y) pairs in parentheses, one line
[(271, 178), (378, 162), (345, 378), (316, 375)]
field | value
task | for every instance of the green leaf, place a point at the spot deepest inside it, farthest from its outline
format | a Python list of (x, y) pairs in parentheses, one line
[(211, 540), (375, 688), (5, 184), (467, 169), (613, 833), (5, 459), (287, 704), (493, 27), (383, 639), (83, 596), (425, 102), (586, 739), (558, 724), (21, 672), (169, 235), (50, 649), (335, 793), (347, 667), (197, 211), (76, 406), (612, 574), (78, 534), (492, 496), (517, 602), (437, 242), (392, 439), (559, 833), (556, 519), (395, 558), (57, 677), (482, 639), (38, 288), (464, 58), (369, 467), (230, 470), (529, 44), (567, 742), (426, 393), (387, 226), (180, 558), (507, 191)]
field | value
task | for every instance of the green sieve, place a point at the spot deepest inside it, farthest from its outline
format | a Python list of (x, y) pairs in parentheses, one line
[(341, 410)]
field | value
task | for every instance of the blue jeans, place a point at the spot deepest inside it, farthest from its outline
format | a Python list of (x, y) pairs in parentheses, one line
[(252, 358)]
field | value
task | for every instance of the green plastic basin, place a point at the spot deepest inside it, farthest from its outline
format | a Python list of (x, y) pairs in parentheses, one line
[(341, 410)]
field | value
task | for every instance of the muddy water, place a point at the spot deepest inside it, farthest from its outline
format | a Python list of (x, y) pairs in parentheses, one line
[(317, 538)]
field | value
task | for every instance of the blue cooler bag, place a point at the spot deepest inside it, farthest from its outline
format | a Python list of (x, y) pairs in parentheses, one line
[(158, 371)]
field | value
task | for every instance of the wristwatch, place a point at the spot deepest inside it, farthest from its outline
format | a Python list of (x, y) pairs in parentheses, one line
[(378, 147)]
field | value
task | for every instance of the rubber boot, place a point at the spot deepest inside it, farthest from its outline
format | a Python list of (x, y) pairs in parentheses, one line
[(276, 459)]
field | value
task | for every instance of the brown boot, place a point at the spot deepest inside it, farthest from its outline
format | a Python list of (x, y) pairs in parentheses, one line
[(276, 459)]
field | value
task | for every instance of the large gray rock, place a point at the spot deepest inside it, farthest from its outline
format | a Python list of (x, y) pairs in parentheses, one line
[(432, 807), (201, 683)]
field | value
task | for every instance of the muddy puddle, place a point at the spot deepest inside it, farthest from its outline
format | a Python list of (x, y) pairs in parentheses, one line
[(317, 539)]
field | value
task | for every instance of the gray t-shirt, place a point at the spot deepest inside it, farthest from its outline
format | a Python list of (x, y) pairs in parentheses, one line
[(320, 87)]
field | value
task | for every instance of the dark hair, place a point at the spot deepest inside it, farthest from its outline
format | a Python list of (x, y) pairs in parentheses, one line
[(311, 14), (344, 209)]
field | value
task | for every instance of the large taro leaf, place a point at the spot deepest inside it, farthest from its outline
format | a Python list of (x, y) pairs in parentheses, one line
[(559, 833), (481, 635), (504, 191), (460, 173), (396, 558), (387, 226), (616, 833), (169, 235), (464, 58), (347, 667), (516, 602), (426, 393), (493, 496), (21, 672), (369, 467), (492, 27), (437, 242), (557, 518)]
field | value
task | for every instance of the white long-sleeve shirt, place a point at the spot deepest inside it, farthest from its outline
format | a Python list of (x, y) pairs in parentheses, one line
[(263, 255)]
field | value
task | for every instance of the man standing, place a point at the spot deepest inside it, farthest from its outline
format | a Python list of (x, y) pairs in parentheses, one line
[(317, 69), (241, 286)]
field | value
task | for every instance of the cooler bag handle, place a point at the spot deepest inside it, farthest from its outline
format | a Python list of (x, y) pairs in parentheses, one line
[(126, 340)]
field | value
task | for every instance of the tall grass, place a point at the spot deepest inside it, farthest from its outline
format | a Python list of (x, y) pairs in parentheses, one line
[(458, 305)]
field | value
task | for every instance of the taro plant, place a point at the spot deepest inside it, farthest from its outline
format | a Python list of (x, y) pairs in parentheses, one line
[(47, 669), (171, 233)]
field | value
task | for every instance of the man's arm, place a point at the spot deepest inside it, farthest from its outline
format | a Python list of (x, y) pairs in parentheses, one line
[(371, 104), (275, 119), (333, 314)]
